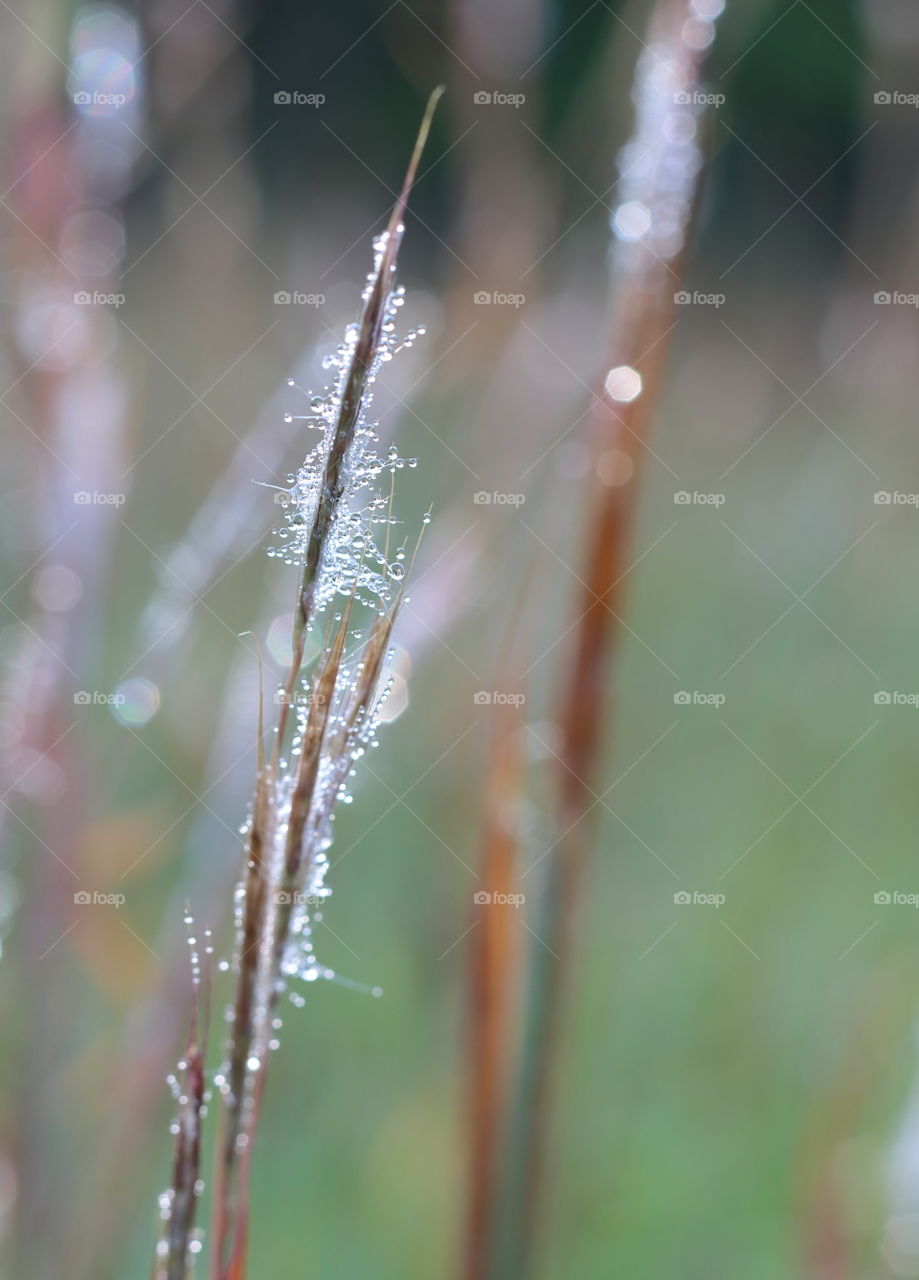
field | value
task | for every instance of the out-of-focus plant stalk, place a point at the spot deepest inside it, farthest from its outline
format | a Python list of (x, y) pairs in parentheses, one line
[(650, 224), (66, 409), (495, 954)]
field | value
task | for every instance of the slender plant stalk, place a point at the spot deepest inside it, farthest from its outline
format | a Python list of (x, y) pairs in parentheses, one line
[(261, 834), (494, 964), (301, 778), (179, 1205), (646, 277)]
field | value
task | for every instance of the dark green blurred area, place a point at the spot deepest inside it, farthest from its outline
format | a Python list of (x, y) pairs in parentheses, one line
[(735, 1075)]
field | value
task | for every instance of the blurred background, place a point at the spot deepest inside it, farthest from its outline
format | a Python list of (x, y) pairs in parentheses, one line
[(189, 192)]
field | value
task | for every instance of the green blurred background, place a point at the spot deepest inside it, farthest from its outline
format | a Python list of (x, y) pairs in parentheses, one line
[(737, 1078)]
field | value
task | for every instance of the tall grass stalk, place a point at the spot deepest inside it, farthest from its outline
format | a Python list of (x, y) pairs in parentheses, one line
[(326, 719), (656, 193), (495, 961)]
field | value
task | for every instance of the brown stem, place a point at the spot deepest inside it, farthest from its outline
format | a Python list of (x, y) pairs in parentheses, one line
[(642, 318)]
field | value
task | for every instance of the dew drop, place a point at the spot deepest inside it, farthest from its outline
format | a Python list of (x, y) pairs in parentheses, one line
[(623, 384), (631, 220)]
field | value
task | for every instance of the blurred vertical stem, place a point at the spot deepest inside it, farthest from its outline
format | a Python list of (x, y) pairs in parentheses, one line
[(495, 955), (648, 272)]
